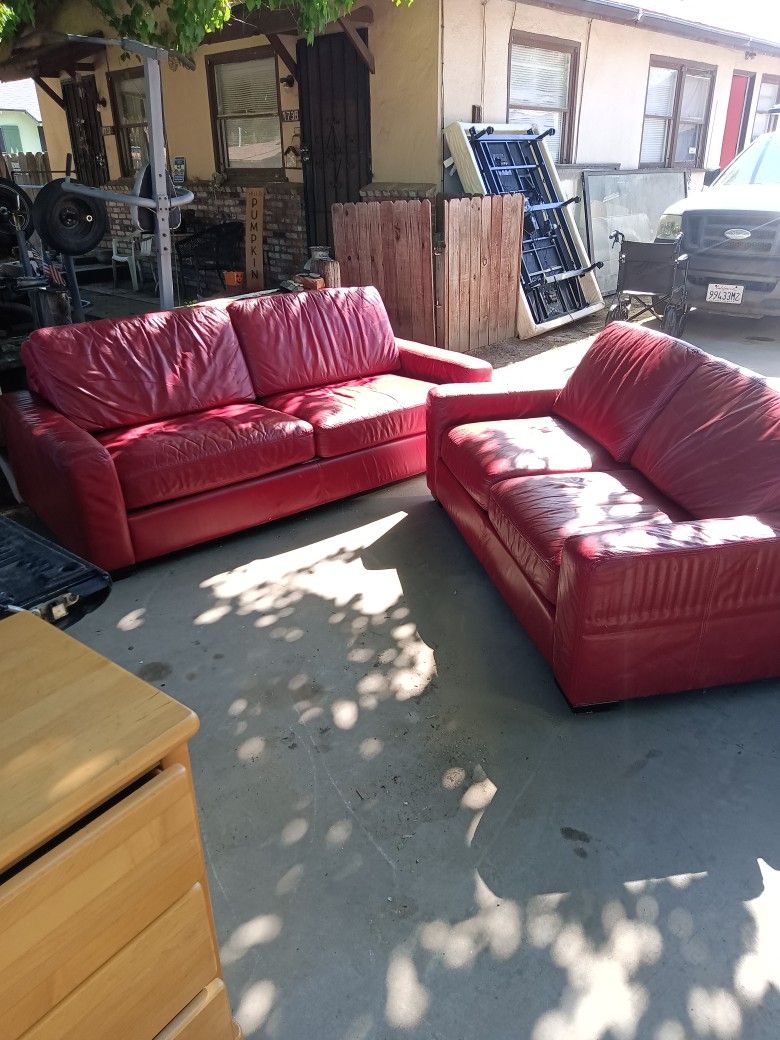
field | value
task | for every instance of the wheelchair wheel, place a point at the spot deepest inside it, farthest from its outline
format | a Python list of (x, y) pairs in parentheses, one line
[(658, 305), (673, 321), (617, 312)]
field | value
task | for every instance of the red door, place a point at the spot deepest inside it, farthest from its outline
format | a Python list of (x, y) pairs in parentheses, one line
[(739, 102)]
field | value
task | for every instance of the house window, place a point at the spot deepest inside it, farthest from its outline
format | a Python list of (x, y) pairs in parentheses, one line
[(677, 108), (768, 96), (10, 139), (543, 87), (128, 101), (244, 97)]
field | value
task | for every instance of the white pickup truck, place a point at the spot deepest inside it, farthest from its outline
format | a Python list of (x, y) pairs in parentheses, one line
[(731, 232)]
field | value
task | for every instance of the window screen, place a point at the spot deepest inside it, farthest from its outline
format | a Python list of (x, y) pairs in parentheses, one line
[(247, 113), (540, 87)]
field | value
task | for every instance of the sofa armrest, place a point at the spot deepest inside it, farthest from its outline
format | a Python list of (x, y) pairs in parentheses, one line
[(456, 404), (664, 607), (441, 366), (68, 479)]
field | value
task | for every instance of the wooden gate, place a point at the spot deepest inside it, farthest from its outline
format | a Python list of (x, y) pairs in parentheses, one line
[(80, 97), (335, 128), (479, 280), (390, 245)]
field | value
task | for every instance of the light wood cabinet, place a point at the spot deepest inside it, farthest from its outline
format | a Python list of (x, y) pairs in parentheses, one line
[(106, 929)]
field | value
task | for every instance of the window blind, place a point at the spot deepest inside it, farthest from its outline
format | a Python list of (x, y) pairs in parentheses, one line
[(655, 135), (696, 91), (661, 87), (247, 88), (539, 77)]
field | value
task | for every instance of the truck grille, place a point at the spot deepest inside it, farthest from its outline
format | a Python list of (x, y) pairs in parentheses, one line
[(706, 231)]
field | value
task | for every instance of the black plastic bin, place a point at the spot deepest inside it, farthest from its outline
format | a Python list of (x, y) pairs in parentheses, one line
[(37, 575)]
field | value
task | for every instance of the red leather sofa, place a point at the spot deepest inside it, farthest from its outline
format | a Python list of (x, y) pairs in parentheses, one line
[(631, 519), (149, 434)]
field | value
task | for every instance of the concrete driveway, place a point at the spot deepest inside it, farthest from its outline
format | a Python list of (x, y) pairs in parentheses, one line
[(408, 833), (753, 344)]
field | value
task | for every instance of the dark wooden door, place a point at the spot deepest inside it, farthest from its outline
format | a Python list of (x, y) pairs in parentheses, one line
[(86, 133), (335, 128)]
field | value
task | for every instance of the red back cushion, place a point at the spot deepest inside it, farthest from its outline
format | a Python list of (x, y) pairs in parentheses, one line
[(297, 341), (106, 374), (715, 447), (625, 378)]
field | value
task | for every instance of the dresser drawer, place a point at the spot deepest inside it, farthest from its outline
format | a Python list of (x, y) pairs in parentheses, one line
[(70, 911), (207, 1017), (137, 993)]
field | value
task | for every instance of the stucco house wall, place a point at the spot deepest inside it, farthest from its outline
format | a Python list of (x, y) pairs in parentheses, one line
[(405, 120), (613, 69), (434, 61)]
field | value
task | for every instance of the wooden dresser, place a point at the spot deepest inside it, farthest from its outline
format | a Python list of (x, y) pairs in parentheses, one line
[(106, 929)]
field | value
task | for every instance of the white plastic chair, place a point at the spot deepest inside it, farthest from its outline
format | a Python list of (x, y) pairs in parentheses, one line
[(118, 257), (147, 259)]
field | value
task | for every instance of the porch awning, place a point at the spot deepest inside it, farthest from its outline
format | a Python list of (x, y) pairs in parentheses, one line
[(46, 55)]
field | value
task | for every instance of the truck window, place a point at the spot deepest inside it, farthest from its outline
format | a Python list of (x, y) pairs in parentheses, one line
[(758, 164)]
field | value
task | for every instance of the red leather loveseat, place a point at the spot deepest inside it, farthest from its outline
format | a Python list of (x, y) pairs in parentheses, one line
[(631, 519), (148, 434)]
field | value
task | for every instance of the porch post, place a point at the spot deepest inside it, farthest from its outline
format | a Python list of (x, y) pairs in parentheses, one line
[(163, 243)]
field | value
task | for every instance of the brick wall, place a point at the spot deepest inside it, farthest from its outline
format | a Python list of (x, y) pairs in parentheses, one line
[(284, 223)]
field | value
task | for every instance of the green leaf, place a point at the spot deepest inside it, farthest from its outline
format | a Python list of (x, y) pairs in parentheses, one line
[(181, 24)]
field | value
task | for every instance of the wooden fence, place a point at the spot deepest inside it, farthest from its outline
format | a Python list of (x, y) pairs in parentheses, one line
[(27, 169), (390, 245), (479, 280)]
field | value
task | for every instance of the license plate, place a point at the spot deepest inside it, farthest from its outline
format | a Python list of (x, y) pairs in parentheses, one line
[(717, 293)]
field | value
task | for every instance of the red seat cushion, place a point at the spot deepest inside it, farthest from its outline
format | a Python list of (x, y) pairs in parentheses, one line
[(360, 413), (533, 516), (301, 340), (626, 376), (122, 372), (715, 448), (482, 453), (192, 453)]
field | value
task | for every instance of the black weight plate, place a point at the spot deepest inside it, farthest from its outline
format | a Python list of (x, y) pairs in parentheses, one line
[(71, 224), (13, 199)]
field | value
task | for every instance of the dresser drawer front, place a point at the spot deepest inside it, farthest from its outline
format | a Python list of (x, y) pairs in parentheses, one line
[(137, 993), (206, 1018), (70, 911)]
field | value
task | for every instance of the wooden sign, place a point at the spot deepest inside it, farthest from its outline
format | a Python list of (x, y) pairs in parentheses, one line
[(253, 242)]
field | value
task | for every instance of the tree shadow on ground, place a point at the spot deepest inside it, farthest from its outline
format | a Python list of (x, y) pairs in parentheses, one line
[(408, 832)]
